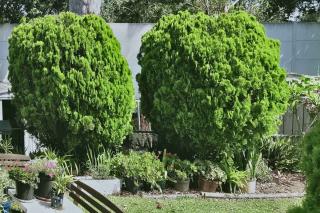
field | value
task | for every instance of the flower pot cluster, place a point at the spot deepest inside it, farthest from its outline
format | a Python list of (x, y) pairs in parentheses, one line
[(138, 171), (42, 178), (144, 171)]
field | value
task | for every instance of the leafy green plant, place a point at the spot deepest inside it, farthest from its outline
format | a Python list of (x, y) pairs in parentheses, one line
[(254, 159), (263, 172), (235, 180), (306, 91), (210, 171), (179, 170), (6, 145), (141, 168), (61, 182), (100, 164), (311, 168), (211, 83), (71, 85), (24, 175), (16, 207), (282, 153), (4, 183)]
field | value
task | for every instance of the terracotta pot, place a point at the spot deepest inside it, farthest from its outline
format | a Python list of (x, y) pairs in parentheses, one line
[(182, 185), (207, 185)]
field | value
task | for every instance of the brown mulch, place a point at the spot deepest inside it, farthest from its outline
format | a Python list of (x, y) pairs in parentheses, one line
[(283, 183)]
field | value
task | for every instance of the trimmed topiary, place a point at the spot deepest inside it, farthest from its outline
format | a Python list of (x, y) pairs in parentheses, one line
[(209, 83), (71, 85), (311, 169)]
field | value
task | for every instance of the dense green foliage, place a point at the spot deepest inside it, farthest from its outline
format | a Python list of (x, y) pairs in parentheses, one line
[(136, 204), (133, 11), (210, 84), (141, 168), (311, 168), (265, 10), (11, 11), (71, 85), (283, 153)]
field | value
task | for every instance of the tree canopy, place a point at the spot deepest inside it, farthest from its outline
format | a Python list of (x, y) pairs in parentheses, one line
[(11, 11), (265, 10)]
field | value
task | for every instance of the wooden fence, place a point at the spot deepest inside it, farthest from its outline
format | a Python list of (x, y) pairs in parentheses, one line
[(295, 121)]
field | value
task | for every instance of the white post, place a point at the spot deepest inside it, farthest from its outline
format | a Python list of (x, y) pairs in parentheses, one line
[(138, 112)]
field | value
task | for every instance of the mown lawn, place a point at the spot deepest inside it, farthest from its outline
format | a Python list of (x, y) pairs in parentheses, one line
[(137, 204)]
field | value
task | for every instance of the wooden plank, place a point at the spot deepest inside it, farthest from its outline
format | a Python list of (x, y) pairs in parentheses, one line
[(89, 199), (14, 157), (12, 163), (99, 196), (287, 122), (82, 203), (297, 120)]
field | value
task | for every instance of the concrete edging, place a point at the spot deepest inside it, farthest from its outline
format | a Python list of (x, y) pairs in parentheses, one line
[(218, 195), (251, 196)]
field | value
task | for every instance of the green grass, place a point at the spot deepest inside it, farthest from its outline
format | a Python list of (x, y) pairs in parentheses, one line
[(137, 204)]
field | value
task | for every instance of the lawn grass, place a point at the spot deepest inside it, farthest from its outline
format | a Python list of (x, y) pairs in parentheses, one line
[(137, 204)]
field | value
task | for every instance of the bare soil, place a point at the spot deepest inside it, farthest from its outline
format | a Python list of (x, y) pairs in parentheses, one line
[(283, 183)]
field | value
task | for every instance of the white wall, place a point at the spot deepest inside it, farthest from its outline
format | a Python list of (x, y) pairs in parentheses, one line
[(300, 46)]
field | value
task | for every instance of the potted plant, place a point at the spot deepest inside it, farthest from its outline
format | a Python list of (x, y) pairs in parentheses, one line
[(180, 172), (46, 170), (100, 177), (60, 185), (16, 208), (235, 180), (139, 170), (5, 182), (253, 162), (210, 176), (25, 181)]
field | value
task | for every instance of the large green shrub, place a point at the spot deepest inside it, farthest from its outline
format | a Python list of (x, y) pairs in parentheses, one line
[(208, 83), (311, 168), (71, 85)]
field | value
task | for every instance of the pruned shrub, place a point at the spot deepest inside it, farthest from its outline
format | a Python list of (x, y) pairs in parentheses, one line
[(211, 83), (71, 85)]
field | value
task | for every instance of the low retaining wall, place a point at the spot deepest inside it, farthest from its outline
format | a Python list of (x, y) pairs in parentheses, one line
[(105, 186), (218, 195)]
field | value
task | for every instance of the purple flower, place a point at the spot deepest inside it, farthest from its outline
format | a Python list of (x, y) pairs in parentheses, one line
[(51, 165)]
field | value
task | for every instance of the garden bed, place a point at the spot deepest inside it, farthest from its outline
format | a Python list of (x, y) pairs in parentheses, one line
[(289, 185), (283, 183)]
